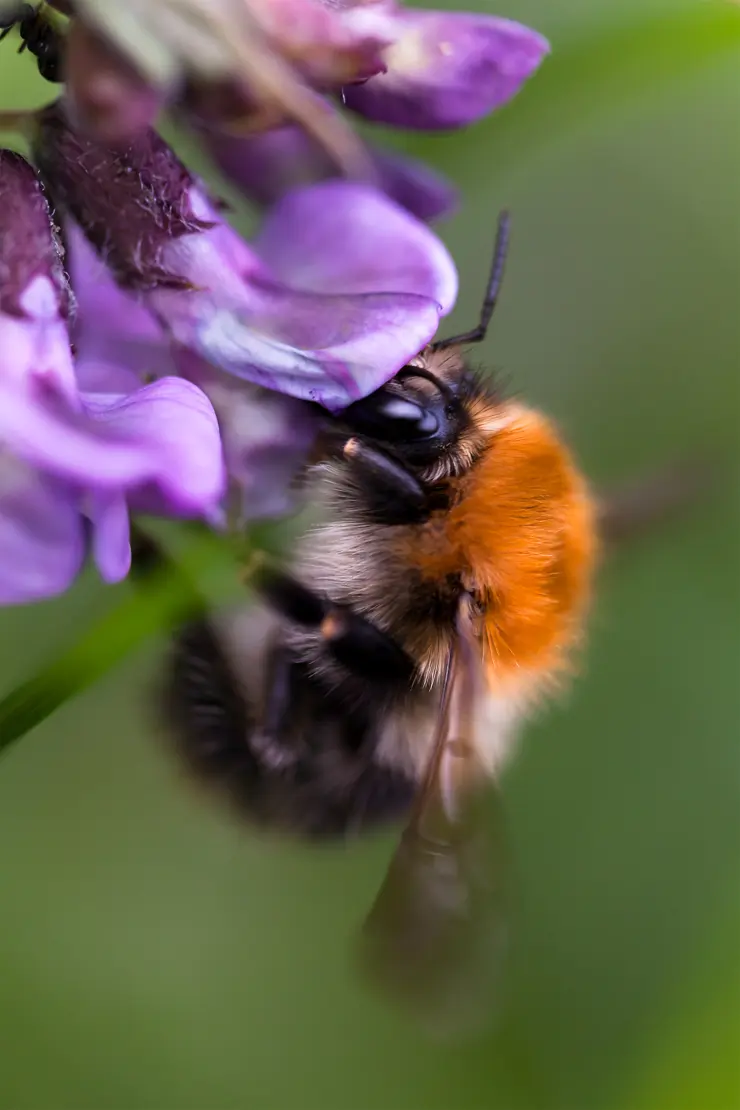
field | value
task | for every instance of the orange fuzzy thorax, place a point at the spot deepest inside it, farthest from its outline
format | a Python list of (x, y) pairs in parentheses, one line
[(522, 535)]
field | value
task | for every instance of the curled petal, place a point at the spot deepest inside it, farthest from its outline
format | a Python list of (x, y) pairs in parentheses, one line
[(99, 375), (329, 349), (165, 433), (41, 534), (118, 341), (269, 165), (419, 189), (45, 434), (446, 70), (174, 427), (35, 344), (111, 544), (266, 439), (339, 237), (341, 289)]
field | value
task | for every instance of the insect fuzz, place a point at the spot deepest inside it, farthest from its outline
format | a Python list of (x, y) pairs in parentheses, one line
[(39, 36), (316, 709)]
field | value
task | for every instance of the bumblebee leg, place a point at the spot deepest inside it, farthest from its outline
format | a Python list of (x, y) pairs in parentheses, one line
[(363, 648), (224, 737), (354, 641), (393, 494), (267, 739), (202, 709), (332, 787)]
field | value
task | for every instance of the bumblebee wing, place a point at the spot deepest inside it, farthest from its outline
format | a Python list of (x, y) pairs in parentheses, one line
[(436, 926)]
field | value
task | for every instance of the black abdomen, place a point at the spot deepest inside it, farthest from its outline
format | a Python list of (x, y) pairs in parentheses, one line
[(317, 776)]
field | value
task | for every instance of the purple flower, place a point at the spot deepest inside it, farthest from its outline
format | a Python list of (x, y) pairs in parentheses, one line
[(111, 98), (267, 166), (258, 61), (218, 39), (340, 289), (265, 436), (71, 461), (119, 343), (250, 61), (444, 69)]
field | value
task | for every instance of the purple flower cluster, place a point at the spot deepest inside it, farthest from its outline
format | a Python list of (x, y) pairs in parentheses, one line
[(266, 62), (74, 458), (441, 71), (155, 361)]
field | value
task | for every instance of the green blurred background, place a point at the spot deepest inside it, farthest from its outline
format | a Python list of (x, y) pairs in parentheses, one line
[(154, 956)]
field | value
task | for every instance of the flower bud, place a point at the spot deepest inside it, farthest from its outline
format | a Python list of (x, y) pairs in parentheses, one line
[(445, 69)]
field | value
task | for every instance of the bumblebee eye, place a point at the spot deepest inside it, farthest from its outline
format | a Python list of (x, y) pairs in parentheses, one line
[(387, 416), (411, 419)]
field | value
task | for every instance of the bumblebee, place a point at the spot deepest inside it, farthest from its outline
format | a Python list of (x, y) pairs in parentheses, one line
[(39, 35), (387, 671), (441, 503)]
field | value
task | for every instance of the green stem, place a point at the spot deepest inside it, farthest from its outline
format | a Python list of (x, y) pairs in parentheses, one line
[(166, 593)]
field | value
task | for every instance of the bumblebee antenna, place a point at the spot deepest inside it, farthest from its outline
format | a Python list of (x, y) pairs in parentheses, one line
[(478, 333)]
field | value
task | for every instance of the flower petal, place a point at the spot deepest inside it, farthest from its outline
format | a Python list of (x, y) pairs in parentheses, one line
[(268, 165), (118, 341), (111, 543), (340, 237), (446, 69), (343, 288), (35, 347), (173, 424), (418, 188), (329, 349), (266, 438), (41, 534), (327, 48), (164, 433)]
